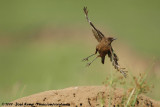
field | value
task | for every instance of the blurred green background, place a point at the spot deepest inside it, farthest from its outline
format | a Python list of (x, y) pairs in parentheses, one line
[(42, 42)]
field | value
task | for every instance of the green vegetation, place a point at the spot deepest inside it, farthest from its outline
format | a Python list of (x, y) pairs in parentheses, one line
[(132, 87)]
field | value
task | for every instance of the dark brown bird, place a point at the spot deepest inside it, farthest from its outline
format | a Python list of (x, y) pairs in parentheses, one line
[(104, 47)]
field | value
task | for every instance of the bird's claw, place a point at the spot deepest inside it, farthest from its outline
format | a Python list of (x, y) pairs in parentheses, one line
[(88, 64), (85, 59)]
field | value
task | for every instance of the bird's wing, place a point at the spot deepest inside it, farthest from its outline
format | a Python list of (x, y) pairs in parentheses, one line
[(114, 59), (98, 35)]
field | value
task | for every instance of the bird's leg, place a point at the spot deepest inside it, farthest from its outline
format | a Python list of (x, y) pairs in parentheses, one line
[(86, 59), (88, 64)]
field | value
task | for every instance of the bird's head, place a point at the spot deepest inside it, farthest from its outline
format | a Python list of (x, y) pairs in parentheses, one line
[(110, 39)]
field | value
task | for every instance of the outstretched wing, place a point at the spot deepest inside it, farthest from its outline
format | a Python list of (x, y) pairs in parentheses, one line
[(114, 59), (98, 35)]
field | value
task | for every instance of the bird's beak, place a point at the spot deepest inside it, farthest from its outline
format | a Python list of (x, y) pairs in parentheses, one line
[(114, 39)]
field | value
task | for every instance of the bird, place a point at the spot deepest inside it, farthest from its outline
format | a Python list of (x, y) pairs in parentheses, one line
[(103, 48)]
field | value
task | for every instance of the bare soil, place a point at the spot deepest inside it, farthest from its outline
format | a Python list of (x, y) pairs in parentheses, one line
[(83, 96)]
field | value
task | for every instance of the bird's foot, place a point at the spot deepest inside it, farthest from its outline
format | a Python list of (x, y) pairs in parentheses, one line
[(85, 59), (88, 64)]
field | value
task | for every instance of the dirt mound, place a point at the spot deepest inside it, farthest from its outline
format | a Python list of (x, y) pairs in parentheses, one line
[(84, 96)]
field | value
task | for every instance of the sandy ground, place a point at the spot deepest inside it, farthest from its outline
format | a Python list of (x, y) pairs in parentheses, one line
[(83, 96)]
